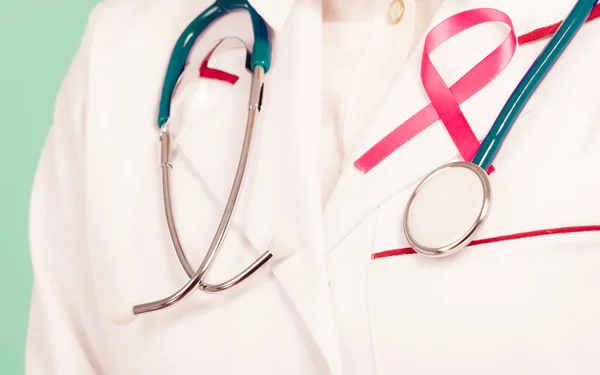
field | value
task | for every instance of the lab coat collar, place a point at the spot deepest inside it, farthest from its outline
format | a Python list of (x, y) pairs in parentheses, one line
[(274, 12)]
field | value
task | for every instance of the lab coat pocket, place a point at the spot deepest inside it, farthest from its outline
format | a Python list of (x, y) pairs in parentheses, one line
[(214, 83), (510, 306), (522, 298)]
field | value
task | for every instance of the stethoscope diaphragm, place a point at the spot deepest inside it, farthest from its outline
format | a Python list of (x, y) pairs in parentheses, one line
[(447, 208)]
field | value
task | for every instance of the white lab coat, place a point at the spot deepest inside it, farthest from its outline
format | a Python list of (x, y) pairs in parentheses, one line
[(99, 240)]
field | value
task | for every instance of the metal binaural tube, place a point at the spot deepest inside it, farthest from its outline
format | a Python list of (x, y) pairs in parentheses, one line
[(197, 277)]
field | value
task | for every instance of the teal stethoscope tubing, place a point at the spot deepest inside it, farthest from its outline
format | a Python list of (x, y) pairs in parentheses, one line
[(529, 83), (261, 51)]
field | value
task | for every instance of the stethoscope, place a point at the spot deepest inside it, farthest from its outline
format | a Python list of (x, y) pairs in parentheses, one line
[(260, 62), (461, 189), (450, 204)]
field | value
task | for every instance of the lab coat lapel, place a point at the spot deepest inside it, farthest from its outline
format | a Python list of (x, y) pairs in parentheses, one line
[(281, 190), (357, 194)]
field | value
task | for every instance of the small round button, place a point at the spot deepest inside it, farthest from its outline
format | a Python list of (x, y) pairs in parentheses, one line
[(395, 11)]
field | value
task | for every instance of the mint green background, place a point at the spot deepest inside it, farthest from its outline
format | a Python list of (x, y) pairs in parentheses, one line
[(38, 39)]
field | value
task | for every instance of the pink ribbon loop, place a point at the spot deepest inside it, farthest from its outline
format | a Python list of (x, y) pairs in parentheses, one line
[(445, 101)]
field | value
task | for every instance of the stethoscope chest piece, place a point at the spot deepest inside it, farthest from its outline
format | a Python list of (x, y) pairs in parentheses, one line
[(447, 208)]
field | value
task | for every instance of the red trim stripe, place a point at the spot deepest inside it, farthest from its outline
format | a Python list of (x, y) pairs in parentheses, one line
[(509, 237), (546, 31), (530, 37), (210, 73)]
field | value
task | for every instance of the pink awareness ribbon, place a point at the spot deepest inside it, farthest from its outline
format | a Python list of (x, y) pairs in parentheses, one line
[(445, 101)]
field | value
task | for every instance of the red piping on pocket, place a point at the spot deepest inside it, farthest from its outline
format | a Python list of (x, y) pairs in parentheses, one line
[(219, 75), (533, 36), (515, 236), (546, 31)]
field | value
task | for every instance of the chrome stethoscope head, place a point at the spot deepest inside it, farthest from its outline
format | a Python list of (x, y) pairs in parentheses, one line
[(447, 208)]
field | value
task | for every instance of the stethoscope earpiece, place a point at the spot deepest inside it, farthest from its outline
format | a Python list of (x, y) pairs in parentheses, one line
[(284, 244), (122, 316)]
